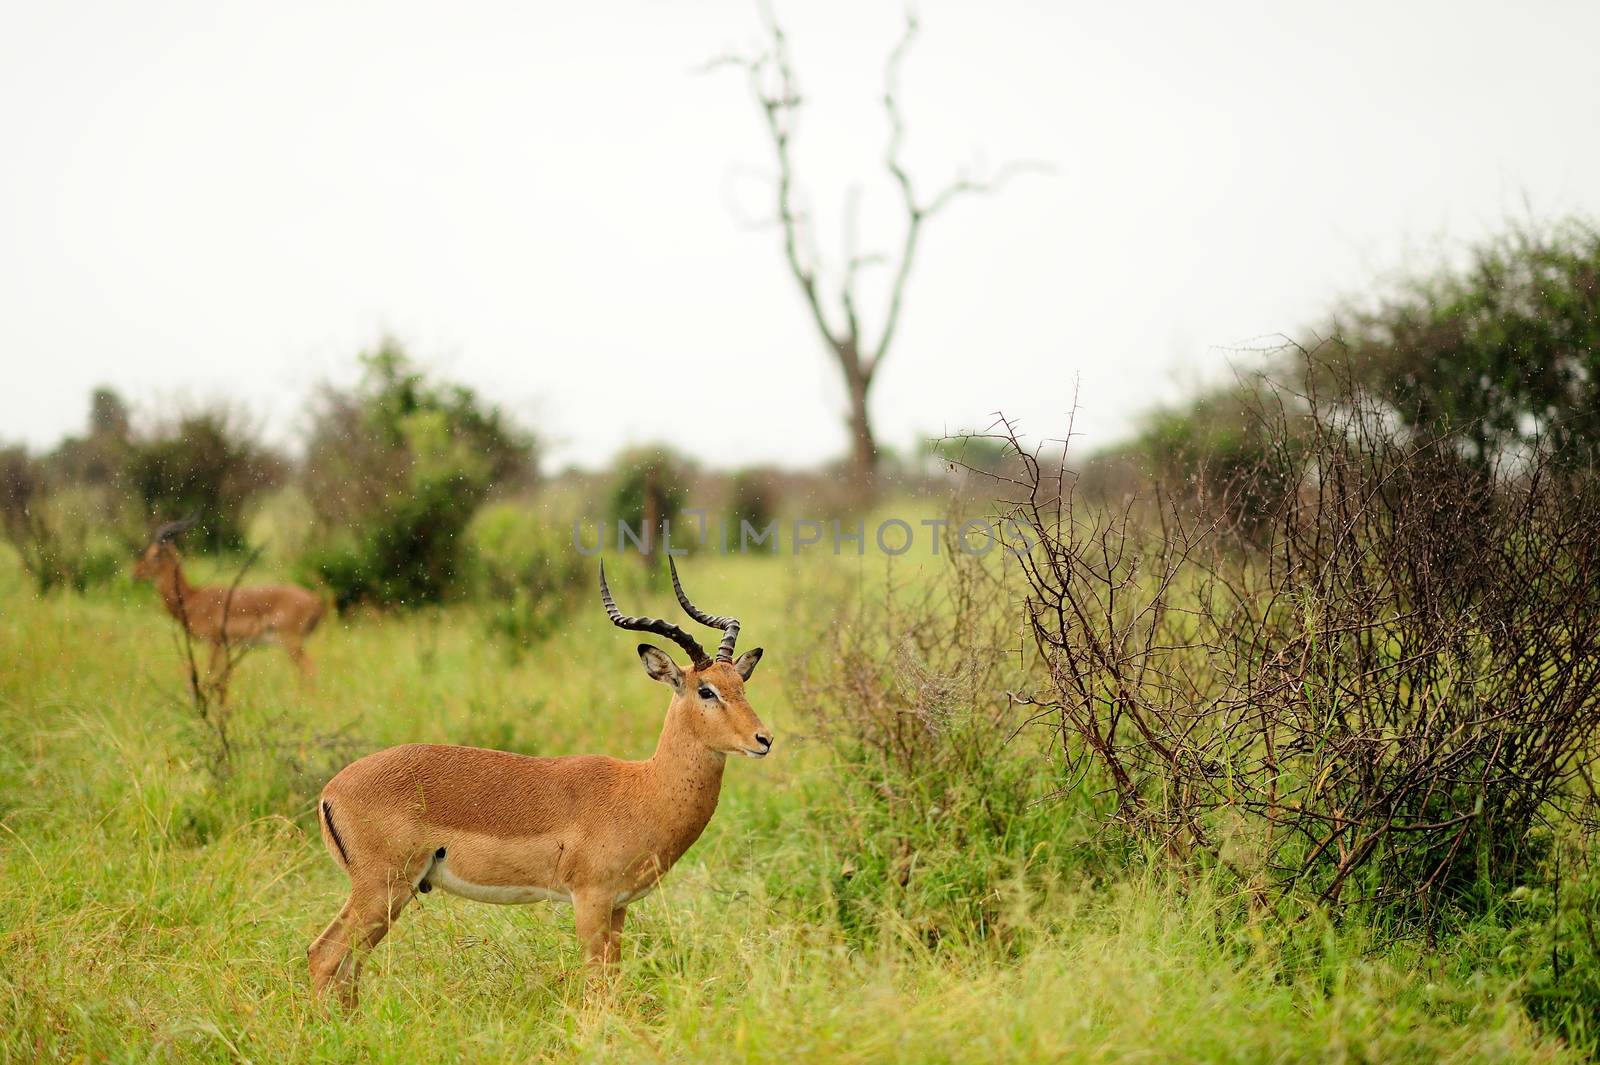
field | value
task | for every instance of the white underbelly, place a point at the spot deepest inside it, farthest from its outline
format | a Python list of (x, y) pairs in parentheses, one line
[(625, 897), (501, 894)]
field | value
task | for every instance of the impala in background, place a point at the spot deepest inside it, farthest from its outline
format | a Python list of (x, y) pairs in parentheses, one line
[(508, 828), (227, 617)]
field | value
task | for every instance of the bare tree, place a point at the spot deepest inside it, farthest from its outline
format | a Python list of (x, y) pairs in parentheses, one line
[(859, 355)]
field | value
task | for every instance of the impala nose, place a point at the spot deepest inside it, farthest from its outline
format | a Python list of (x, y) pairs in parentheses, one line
[(765, 741)]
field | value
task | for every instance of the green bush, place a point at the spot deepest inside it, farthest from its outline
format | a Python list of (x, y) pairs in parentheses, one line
[(19, 483), (753, 498), (1503, 352), (529, 574), (1503, 355), (205, 464), (395, 471), (55, 535), (100, 456), (413, 553), (650, 487), (1213, 454)]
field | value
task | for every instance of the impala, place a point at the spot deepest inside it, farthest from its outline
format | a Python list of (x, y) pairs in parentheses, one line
[(508, 828), (229, 617)]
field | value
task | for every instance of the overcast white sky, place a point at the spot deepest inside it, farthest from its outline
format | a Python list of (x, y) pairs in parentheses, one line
[(205, 200)]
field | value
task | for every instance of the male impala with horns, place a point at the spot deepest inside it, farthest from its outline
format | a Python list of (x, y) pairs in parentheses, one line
[(494, 826)]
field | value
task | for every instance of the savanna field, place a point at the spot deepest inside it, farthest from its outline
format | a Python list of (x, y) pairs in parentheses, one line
[(156, 902), (1144, 531)]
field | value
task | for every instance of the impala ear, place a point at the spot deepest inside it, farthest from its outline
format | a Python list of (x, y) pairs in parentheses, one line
[(660, 666), (746, 664)]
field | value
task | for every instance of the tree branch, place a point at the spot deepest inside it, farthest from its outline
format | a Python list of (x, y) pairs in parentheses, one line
[(773, 84), (777, 111), (853, 264), (918, 212)]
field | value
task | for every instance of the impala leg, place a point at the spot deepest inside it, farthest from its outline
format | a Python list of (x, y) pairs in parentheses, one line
[(336, 955), (193, 677), (326, 951), (297, 654), (618, 915), (599, 931)]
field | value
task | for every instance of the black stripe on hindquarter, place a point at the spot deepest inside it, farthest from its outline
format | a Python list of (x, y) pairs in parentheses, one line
[(327, 819), (425, 885)]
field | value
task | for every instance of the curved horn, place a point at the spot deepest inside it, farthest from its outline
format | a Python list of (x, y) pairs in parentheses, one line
[(661, 628), (729, 626), (173, 529)]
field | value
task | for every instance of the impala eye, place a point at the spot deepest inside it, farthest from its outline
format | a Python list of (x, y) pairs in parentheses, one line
[(707, 693)]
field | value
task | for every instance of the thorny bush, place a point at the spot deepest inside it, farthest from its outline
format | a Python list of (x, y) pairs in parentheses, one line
[(1386, 703)]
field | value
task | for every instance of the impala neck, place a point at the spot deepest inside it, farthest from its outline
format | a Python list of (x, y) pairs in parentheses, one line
[(176, 592), (686, 768)]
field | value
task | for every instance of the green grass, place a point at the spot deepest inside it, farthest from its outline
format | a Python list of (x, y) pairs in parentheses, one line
[(150, 911)]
